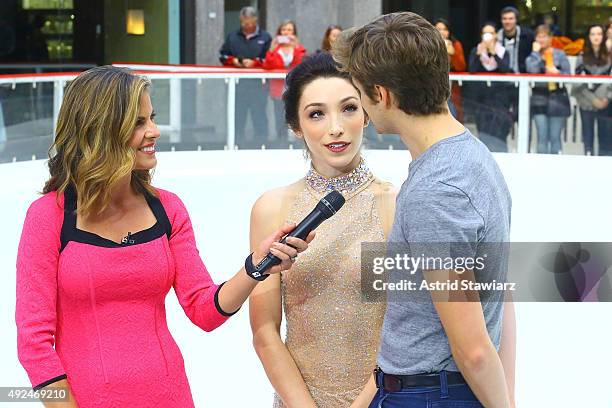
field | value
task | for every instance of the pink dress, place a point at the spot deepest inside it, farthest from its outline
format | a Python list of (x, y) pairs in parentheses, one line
[(92, 310)]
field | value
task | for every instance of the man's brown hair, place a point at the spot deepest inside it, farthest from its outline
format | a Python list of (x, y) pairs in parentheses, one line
[(402, 52)]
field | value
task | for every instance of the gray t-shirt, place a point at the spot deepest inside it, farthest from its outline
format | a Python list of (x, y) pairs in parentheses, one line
[(455, 193)]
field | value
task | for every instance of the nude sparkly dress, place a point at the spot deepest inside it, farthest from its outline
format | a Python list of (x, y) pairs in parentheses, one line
[(332, 334)]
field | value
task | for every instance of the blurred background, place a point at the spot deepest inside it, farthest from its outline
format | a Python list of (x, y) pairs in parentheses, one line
[(43, 41)]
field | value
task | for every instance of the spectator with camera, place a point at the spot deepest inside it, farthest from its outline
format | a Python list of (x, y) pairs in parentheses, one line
[(490, 103), (285, 52)]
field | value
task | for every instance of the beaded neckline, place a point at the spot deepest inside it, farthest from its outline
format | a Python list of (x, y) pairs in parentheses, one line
[(346, 184)]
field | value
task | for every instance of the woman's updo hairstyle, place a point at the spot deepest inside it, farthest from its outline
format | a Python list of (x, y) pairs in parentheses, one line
[(317, 66)]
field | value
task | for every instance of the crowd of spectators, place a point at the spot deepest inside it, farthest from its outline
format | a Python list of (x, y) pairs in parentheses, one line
[(505, 48)]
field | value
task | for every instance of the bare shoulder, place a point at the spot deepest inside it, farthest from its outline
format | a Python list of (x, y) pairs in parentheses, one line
[(270, 205)]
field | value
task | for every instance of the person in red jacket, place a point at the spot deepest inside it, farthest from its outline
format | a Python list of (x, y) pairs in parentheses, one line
[(285, 52)]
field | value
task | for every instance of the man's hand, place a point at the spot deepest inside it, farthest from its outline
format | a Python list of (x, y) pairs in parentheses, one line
[(248, 63)]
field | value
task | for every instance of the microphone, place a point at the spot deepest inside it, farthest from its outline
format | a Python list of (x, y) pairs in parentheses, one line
[(328, 206)]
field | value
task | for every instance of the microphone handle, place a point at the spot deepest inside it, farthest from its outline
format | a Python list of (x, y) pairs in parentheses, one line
[(312, 221)]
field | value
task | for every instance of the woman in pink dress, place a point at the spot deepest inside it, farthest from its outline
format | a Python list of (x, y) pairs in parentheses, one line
[(101, 249)]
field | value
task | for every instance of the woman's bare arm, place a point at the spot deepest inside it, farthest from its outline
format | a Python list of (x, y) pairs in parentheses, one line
[(266, 314)]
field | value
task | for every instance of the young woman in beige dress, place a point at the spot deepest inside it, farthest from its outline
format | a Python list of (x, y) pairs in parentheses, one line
[(332, 334)]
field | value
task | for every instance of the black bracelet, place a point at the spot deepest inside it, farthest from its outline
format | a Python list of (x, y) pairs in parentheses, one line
[(252, 271)]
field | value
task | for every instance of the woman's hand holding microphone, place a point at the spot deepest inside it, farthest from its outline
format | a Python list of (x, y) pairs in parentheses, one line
[(286, 252), (277, 253), (236, 290)]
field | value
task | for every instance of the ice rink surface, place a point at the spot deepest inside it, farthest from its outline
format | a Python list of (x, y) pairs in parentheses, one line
[(564, 351)]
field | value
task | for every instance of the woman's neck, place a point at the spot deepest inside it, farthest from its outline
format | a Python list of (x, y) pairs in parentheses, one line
[(122, 192), (328, 171)]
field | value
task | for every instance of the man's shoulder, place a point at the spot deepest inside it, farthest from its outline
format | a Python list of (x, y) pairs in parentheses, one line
[(442, 157), (456, 152), (455, 165), (468, 143)]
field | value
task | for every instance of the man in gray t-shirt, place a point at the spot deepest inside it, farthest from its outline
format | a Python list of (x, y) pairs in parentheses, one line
[(434, 353), (455, 193)]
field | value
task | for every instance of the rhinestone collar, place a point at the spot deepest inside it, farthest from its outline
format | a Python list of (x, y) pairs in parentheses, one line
[(346, 184)]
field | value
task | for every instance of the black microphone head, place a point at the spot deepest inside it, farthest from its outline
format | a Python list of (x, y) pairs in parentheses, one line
[(331, 203)]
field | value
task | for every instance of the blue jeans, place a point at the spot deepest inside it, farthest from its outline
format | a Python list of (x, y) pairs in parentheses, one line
[(588, 119), (549, 133), (443, 396)]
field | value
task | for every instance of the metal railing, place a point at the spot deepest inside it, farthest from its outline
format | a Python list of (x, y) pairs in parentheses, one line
[(177, 79)]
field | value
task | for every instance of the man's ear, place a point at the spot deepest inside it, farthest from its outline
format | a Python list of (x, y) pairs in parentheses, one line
[(384, 96)]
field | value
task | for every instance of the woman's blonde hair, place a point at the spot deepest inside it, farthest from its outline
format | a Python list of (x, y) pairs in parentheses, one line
[(91, 150)]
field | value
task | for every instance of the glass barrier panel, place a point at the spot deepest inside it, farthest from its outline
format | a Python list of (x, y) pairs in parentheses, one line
[(26, 120)]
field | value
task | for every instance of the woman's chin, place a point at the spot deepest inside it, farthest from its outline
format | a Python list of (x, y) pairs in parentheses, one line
[(148, 166), (342, 161)]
